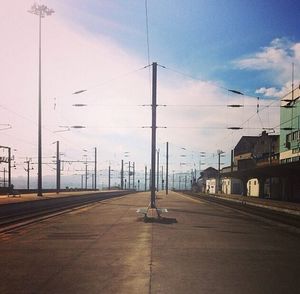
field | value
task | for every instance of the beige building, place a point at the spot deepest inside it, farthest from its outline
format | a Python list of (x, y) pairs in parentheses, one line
[(211, 186), (253, 188)]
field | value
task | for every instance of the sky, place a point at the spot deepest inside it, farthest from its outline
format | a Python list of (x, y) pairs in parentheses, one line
[(203, 49)]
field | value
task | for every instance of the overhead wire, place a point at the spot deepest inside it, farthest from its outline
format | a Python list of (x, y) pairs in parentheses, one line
[(148, 44)]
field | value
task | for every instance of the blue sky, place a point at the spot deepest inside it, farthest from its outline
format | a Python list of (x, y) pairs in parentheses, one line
[(101, 45), (201, 37)]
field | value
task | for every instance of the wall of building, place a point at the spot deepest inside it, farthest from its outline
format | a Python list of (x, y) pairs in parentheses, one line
[(211, 186), (253, 188), (290, 127), (231, 186)]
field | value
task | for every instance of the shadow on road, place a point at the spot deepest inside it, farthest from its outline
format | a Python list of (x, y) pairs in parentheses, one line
[(159, 220)]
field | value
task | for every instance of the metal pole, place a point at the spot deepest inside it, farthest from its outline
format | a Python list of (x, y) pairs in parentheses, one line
[(133, 175), (153, 138), (173, 180), (145, 178), (86, 174), (9, 167), (129, 175), (4, 179), (162, 177), (232, 160), (39, 192), (109, 177), (122, 174), (157, 174), (28, 168), (95, 170), (41, 11), (167, 168), (57, 168)]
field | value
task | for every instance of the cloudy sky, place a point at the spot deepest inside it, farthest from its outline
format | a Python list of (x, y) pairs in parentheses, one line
[(203, 47)]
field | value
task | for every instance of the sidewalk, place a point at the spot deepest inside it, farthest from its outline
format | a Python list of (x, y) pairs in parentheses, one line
[(276, 205)]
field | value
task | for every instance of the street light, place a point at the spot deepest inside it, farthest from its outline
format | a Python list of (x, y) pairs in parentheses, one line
[(41, 11)]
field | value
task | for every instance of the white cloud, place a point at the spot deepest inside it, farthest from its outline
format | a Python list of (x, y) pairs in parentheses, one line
[(276, 60)]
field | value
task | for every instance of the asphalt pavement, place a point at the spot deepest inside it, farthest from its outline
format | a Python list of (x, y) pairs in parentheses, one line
[(197, 247)]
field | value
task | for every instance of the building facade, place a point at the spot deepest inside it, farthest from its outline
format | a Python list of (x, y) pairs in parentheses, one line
[(290, 127)]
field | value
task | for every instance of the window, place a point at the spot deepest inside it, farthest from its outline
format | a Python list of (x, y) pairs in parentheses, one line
[(295, 135)]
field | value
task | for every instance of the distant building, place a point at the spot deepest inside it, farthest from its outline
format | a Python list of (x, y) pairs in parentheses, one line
[(207, 174), (211, 185), (290, 127), (231, 186), (252, 152), (266, 149), (253, 188)]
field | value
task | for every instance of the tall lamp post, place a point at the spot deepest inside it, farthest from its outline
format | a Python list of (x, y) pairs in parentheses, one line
[(41, 11)]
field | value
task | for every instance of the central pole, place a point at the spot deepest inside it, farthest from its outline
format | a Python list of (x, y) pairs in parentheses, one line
[(153, 143)]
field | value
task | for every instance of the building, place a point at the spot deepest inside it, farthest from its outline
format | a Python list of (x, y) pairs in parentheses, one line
[(231, 186), (207, 174), (211, 185), (290, 127), (252, 152)]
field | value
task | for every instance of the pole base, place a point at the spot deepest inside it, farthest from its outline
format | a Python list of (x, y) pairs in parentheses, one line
[(151, 212)]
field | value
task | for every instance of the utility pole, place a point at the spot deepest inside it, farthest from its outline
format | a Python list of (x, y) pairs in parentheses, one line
[(162, 177), (219, 152), (109, 177), (153, 137), (129, 175), (173, 180), (28, 172), (133, 175), (86, 174), (157, 175), (150, 179), (9, 164), (232, 160), (9, 167), (95, 170), (146, 178), (167, 168), (4, 179), (122, 174), (57, 168)]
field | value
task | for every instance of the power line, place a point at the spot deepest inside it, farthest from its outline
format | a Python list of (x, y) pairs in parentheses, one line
[(147, 31)]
